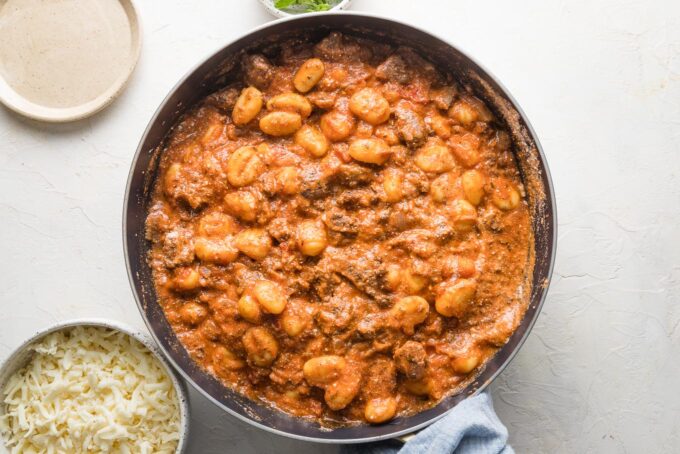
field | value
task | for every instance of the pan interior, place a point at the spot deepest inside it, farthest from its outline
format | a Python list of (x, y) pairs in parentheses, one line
[(217, 72)]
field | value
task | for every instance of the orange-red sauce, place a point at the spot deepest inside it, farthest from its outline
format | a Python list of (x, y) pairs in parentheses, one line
[(361, 258)]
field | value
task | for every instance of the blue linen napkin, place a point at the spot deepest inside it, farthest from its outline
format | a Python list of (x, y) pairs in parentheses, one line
[(472, 427)]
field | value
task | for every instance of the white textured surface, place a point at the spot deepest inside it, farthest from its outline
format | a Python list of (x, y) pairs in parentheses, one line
[(600, 80)]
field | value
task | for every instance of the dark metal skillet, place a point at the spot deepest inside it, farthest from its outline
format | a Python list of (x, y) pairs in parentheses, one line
[(214, 73)]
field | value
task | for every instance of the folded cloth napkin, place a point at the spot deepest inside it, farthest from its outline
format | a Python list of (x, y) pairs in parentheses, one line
[(472, 427)]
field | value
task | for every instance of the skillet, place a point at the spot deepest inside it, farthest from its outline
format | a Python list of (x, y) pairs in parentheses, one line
[(216, 72)]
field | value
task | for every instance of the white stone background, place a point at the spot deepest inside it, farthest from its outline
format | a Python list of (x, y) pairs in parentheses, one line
[(599, 80)]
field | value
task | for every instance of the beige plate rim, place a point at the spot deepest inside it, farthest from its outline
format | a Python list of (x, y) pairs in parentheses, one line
[(14, 101)]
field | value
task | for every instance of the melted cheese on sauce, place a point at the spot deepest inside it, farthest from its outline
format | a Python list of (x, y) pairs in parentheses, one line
[(90, 390)]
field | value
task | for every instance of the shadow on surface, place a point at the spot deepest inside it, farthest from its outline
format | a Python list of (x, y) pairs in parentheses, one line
[(214, 431)]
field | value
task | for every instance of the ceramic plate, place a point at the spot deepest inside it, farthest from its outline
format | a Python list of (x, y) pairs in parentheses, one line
[(62, 60)]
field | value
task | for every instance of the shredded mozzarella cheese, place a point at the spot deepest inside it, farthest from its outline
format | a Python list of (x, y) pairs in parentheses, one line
[(90, 390)]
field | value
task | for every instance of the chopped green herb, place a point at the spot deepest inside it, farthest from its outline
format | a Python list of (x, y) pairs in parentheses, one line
[(281, 4), (304, 6)]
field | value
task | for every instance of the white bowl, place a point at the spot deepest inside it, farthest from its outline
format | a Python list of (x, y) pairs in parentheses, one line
[(269, 5), (65, 59), (22, 355)]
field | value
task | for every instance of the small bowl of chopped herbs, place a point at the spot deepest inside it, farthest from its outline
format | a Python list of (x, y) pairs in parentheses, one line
[(285, 8)]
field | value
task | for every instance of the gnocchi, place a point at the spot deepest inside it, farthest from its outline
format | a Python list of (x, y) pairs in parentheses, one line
[(369, 105), (247, 106), (454, 299), (505, 196), (466, 149), (440, 126), (409, 312), (249, 309), (217, 224), (380, 410), (309, 74), (323, 370), (193, 313), (463, 215), (225, 359), (219, 251), (288, 180), (242, 204), (244, 166), (261, 346), (473, 186), (187, 279), (337, 125), (443, 188), (280, 123), (291, 102), (270, 296), (465, 364), (312, 140), (371, 151), (295, 319), (435, 158), (468, 110), (341, 392), (311, 237), (255, 243)]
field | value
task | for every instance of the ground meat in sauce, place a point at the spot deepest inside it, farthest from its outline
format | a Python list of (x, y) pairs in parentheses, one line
[(341, 233)]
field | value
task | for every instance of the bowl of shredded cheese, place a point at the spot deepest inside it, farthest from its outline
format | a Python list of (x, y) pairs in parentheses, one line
[(89, 386)]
